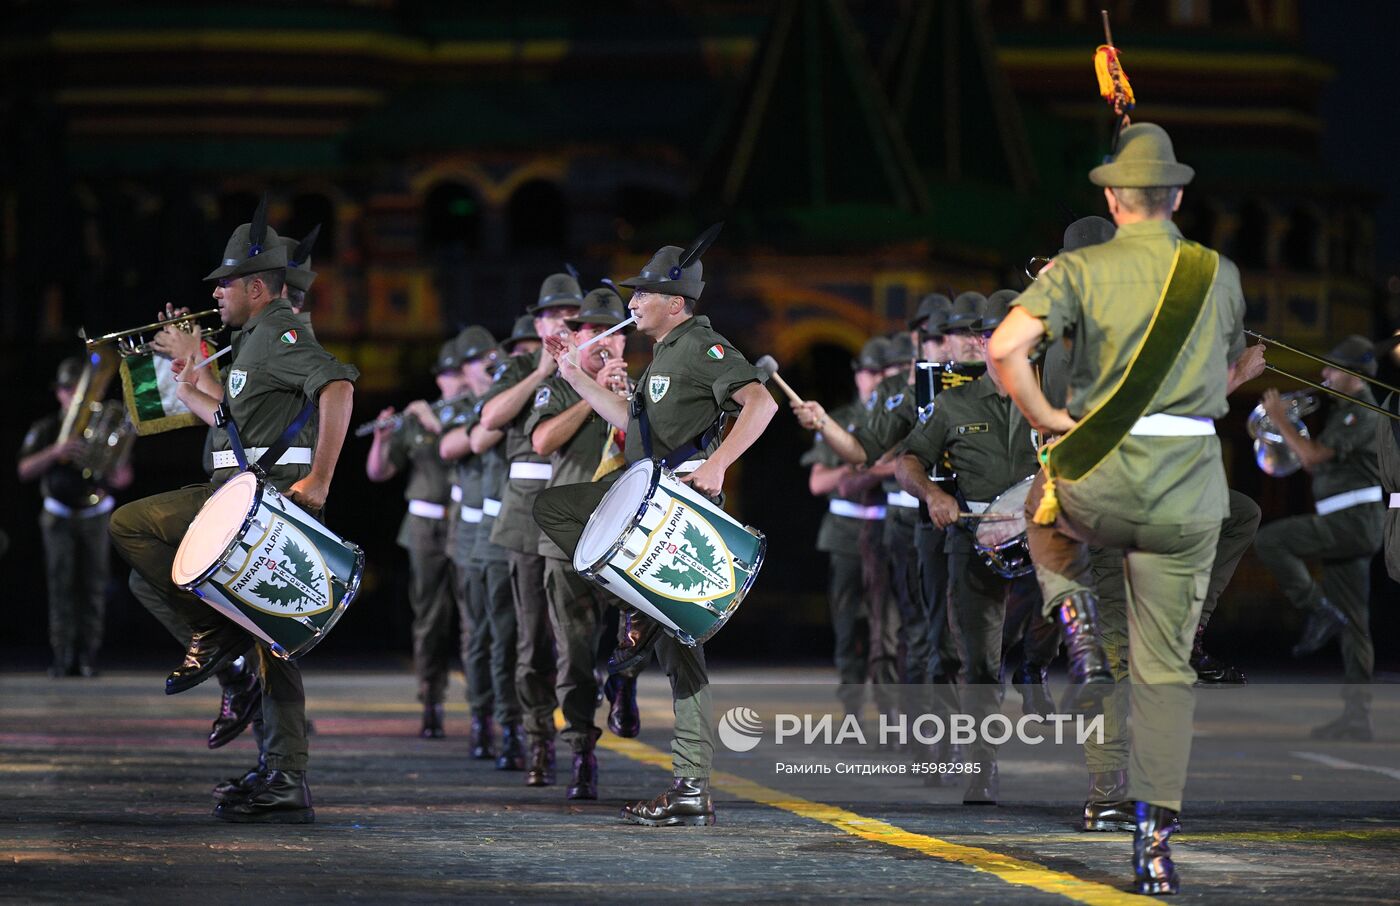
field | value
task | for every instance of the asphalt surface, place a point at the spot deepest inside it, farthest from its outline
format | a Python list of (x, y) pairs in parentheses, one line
[(106, 799)]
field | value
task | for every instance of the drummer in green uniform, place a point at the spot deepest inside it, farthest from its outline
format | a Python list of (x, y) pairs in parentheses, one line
[(1345, 532), (981, 434), (279, 376), (476, 353), (850, 511), (506, 408), (411, 443), (564, 427), (1156, 322), (240, 699), (695, 381)]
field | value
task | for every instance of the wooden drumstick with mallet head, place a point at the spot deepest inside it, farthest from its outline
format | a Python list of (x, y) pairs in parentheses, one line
[(769, 366)]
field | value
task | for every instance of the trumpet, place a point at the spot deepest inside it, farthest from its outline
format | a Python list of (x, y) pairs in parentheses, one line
[(625, 389), (396, 420), (134, 342)]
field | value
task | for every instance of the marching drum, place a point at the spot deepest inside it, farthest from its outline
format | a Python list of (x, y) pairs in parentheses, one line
[(268, 565), (1002, 541), (669, 552)]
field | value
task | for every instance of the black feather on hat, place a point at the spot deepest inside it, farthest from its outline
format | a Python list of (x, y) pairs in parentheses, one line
[(675, 271), (252, 248)]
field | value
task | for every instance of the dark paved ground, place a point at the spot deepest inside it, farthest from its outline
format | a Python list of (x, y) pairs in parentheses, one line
[(105, 799)]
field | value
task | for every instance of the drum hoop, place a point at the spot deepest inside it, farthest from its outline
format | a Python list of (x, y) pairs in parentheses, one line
[(237, 537), (743, 590), (607, 555), (352, 588)]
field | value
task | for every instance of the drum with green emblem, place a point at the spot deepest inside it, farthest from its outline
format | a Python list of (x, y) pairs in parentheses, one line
[(668, 551), (268, 565)]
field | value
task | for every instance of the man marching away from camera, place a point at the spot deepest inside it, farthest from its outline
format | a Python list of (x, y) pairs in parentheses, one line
[(696, 378), (1156, 321)]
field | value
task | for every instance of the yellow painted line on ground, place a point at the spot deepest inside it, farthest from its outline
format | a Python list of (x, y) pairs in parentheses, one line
[(1008, 868)]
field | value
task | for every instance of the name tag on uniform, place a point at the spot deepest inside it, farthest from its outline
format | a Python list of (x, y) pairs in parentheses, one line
[(976, 428)]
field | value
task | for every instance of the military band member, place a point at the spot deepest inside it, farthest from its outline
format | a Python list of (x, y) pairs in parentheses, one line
[(412, 446), (935, 348), (489, 558), (990, 447), (563, 426), (276, 371), (240, 690), (476, 353), (850, 510), (1344, 533), (695, 380), (1108, 806), (74, 528), (1156, 322), (507, 407)]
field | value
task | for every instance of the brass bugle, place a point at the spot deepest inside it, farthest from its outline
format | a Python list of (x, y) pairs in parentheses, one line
[(1318, 385), (129, 348)]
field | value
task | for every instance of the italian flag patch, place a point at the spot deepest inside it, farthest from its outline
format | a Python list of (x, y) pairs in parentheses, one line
[(715, 352), (290, 337)]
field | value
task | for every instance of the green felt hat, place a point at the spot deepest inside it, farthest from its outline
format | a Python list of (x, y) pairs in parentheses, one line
[(900, 351), (299, 273), (967, 311), (447, 358), (1145, 158), (473, 343), (558, 291), (1357, 353), (253, 247), (675, 271), (933, 312), (522, 329), (603, 306), (872, 355), (1087, 231), (70, 371), (994, 312)]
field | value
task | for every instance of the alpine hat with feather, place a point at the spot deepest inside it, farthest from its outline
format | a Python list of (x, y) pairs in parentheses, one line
[(675, 271), (252, 248)]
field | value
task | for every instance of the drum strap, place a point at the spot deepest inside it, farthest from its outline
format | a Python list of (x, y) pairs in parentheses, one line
[(684, 451), (224, 419)]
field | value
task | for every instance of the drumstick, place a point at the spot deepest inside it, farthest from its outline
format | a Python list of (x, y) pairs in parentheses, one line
[(212, 358), (770, 366), (609, 332), (990, 517)]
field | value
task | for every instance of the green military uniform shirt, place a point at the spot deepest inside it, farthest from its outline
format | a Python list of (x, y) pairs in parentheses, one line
[(577, 460), (515, 527), (277, 366), (462, 474), (890, 414), (492, 466), (986, 439), (839, 534), (1350, 433), (1103, 297), (692, 378)]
